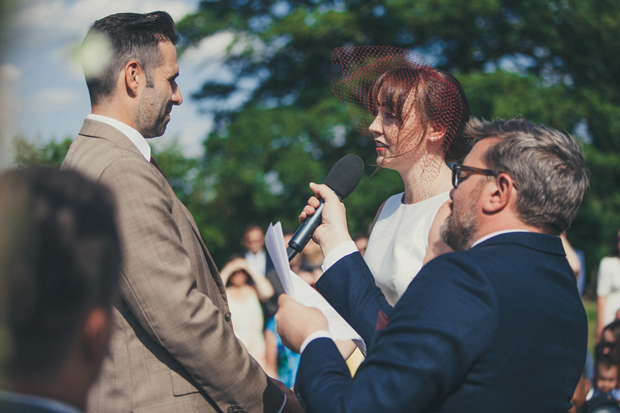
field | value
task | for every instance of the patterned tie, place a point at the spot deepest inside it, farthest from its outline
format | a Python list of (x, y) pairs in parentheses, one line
[(157, 166)]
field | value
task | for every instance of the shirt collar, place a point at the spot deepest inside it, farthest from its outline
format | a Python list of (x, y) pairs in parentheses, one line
[(133, 135), (494, 234), (36, 401)]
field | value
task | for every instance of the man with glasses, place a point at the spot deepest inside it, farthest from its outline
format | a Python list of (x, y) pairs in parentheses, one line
[(497, 326)]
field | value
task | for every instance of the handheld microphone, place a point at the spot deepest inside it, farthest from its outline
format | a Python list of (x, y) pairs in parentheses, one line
[(342, 179)]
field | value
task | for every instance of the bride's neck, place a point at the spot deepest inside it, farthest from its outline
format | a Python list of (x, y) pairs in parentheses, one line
[(424, 182)]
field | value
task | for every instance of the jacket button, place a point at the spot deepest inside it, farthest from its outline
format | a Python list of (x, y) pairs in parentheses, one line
[(227, 317)]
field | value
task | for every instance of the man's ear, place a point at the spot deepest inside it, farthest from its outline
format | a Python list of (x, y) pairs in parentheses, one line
[(502, 191), (134, 77)]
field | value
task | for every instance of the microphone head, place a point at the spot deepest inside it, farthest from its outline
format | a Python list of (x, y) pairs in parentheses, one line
[(345, 175)]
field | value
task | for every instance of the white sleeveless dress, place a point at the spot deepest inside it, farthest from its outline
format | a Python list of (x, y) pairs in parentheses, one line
[(399, 241)]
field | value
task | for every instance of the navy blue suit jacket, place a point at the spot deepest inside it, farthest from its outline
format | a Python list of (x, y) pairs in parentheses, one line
[(13, 407), (497, 328)]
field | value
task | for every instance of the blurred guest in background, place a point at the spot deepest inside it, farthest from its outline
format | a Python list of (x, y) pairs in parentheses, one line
[(361, 242), (245, 290), (608, 288), (606, 377), (609, 337), (582, 277), (59, 263), (571, 255), (256, 256), (584, 400), (582, 391)]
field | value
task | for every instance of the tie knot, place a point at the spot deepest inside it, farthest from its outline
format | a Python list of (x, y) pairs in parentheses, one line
[(156, 166)]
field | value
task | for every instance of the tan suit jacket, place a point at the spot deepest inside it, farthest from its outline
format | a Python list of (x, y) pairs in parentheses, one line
[(173, 348)]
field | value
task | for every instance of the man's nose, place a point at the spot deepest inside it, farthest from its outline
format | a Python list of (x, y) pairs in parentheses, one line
[(177, 98)]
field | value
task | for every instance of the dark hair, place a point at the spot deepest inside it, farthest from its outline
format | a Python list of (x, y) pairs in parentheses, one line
[(251, 227), (614, 327), (547, 167), (605, 361), (460, 144), (119, 38), (248, 279), (59, 258), (615, 248), (438, 98)]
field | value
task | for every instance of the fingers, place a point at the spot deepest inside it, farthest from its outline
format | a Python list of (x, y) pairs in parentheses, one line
[(305, 213), (309, 209), (314, 202), (324, 192), (283, 299)]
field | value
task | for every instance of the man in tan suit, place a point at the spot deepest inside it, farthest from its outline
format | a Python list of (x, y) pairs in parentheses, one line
[(173, 347)]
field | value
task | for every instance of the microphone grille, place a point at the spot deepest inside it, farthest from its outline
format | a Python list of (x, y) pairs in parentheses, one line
[(345, 175)]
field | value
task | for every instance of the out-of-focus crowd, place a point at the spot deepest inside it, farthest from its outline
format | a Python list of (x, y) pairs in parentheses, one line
[(253, 288), (599, 390)]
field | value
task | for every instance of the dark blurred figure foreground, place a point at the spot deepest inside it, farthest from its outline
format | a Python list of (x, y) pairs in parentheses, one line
[(59, 263)]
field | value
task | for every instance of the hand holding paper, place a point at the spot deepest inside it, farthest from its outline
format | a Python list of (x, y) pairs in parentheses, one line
[(301, 292), (296, 322)]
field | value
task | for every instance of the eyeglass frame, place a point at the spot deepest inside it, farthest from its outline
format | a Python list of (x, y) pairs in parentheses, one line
[(458, 168)]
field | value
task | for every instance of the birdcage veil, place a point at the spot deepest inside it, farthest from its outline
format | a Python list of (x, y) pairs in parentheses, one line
[(421, 97)]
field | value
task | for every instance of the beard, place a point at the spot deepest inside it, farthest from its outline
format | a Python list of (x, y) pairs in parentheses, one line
[(151, 120), (459, 229)]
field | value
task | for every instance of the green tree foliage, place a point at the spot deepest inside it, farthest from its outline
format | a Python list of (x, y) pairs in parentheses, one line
[(181, 172), (269, 142), (34, 152), (290, 130)]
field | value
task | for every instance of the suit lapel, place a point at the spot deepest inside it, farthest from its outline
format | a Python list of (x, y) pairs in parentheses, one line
[(212, 268), (100, 130)]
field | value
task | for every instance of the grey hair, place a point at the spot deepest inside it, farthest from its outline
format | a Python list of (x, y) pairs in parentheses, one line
[(547, 167)]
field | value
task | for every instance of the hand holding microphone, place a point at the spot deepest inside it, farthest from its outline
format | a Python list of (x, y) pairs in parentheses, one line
[(333, 230), (340, 182)]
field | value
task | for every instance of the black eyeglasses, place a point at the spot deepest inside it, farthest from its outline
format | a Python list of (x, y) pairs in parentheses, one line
[(457, 171)]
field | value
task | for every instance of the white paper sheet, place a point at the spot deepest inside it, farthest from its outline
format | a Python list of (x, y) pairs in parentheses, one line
[(298, 290)]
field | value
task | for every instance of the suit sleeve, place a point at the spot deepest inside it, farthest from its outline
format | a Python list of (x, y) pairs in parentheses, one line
[(350, 288), (159, 286), (437, 331)]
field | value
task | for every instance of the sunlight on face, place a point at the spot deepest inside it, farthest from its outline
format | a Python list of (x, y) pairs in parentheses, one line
[(396, 141)]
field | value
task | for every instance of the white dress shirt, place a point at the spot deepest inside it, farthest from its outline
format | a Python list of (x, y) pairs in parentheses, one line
[(133, 135), (257, 261)]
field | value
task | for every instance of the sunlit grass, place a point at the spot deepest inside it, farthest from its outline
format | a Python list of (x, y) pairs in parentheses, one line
[(590, 307)]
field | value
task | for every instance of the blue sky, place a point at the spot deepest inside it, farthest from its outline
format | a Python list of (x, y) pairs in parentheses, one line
[(43, 90)]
